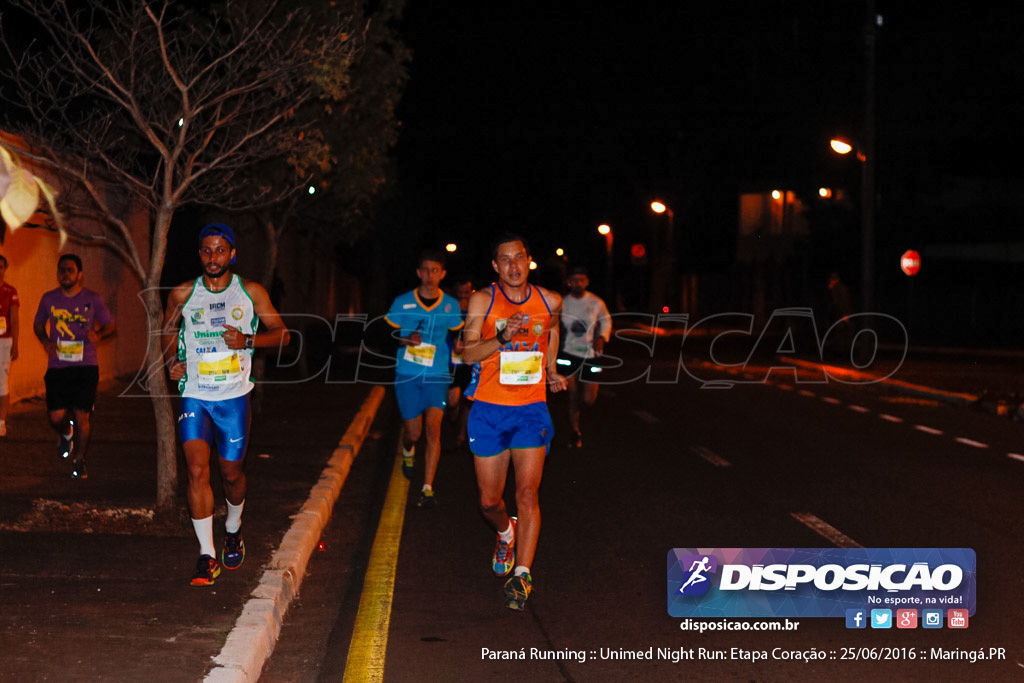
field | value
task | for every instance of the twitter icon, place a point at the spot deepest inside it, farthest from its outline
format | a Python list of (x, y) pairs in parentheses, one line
[(881, 618)]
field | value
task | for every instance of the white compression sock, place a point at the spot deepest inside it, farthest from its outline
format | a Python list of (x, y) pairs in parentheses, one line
[(204, 532), (234, 519)]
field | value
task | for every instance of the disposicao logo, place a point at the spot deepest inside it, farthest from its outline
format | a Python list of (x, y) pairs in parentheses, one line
[(818, 582), (696, 580)]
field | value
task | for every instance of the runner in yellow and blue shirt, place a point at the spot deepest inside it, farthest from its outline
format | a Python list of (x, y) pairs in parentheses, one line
[(424, 319)]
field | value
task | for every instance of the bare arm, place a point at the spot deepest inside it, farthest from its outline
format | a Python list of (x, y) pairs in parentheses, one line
[(40, 331), (603, 333), (555, 381), (475, 347), (13, 321)]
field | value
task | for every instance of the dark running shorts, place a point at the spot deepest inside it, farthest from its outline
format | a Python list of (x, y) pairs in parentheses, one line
[(72, 388)]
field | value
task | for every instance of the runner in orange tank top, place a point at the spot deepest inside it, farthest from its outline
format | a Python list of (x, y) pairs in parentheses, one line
[(512, 331)]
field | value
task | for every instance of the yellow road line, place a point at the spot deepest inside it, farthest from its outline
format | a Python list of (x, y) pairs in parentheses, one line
[(368, 648)]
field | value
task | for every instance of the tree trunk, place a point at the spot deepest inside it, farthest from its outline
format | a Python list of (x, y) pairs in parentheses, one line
[(166, 453)]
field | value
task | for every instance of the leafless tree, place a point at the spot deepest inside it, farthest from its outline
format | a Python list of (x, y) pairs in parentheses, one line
[(171, 104)]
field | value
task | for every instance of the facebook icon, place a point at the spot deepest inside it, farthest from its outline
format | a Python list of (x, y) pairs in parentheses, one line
[(856, 618)]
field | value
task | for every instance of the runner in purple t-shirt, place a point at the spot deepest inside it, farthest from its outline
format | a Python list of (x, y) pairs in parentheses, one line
[(68, 323)]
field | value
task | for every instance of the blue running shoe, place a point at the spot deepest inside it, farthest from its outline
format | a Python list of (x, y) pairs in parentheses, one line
[(234, 551)]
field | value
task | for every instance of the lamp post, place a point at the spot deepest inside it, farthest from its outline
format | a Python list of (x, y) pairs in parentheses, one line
[(606, 230), (867, 218), (662, 274), (866, 156)]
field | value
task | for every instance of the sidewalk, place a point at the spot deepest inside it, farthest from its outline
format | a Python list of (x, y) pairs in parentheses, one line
[(92, 589)]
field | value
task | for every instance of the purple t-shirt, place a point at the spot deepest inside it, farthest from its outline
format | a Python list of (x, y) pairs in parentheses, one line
[(70, 319)]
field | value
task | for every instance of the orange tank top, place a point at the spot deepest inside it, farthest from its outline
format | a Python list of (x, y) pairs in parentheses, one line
[(516, 374)]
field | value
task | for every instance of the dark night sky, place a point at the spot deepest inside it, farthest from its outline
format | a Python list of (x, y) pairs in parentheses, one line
[(553, 120)]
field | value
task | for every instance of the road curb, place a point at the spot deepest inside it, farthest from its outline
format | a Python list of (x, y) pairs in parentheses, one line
[(252, 640)]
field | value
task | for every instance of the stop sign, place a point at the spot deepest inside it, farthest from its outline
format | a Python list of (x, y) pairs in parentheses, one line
[(910, 262)]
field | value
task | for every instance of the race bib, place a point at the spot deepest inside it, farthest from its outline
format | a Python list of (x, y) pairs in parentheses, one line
[(421, 355), (219, 363), (457, 359), (70, 351), (521, 367)]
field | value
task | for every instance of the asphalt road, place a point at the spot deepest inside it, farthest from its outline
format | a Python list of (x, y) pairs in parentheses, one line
[(753, 459)]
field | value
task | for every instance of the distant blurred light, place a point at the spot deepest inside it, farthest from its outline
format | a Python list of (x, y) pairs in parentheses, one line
[(533, 265), (181, 122), (658, 207), (594, 368), (311, 190), (824, 192), (776, 194), (451, 247), (604, 228), (559, 252), (664, 309)]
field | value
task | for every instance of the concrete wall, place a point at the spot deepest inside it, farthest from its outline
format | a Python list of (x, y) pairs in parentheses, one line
[(32, 254)]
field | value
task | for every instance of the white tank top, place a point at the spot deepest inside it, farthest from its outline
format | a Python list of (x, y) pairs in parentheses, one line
[(213, 372)]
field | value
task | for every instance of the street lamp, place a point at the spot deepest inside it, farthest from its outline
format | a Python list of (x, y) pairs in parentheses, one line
[(867, 217), (606, 230)]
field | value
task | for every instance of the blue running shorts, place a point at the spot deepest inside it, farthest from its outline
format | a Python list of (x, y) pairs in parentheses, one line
[(416, 394), (224, 423), (494, 428)]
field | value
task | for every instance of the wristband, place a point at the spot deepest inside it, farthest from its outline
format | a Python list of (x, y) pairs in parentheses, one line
[(250, 341), (501, 341)]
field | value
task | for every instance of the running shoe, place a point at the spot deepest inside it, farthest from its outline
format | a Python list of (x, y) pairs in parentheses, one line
[(407, 464), (427, 499), (505, 553), (233, 553), (64, 445), (517, 590), (78, 470), (207, 569)]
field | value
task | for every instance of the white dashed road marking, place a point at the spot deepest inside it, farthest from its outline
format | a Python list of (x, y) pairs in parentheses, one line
[(928, 430), (711, 457), (646, 417), (826, 530)]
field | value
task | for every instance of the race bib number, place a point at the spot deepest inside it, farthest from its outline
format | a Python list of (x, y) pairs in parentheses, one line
[(70, 351), (219, 364), (421, 355), (521, 367)]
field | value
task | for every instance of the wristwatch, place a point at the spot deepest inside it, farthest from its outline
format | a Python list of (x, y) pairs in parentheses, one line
[(250, 341)]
